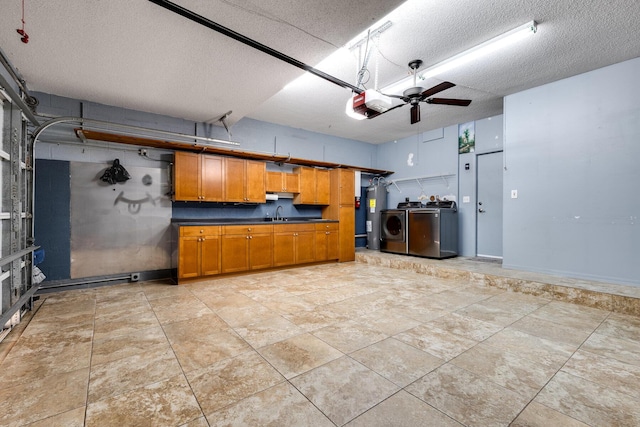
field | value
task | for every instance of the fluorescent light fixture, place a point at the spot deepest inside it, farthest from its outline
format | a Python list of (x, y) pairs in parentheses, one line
[(467, 56), (349, 110)]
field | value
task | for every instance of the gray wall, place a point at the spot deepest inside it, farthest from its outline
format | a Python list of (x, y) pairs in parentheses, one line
[(571, 151), (430, 156)]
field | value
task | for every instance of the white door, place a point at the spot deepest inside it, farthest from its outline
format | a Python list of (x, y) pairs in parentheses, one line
[(489, 208)]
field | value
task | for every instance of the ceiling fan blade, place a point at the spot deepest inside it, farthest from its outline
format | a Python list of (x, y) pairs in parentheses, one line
[(437, 88), (404, 98), (415, 114), (449, 101)]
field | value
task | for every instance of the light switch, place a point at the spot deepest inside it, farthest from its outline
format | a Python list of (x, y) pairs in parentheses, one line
[(514, 194), (466, 199)]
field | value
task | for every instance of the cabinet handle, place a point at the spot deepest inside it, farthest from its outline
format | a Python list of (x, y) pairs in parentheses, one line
[(201, 231), (250, 237), (248, 229)]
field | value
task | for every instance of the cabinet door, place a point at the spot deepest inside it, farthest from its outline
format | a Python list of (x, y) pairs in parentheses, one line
[(323, 187), (307, 194), (209, 255), (347, 234), (211, 178), (347, 187), (305, 247), (186, 176), (291, 182), (254, 181), (321, 245), (333, 245), (235, 254), (234, 180), (260, 251), (274, 182), (189, 257), (283, 248)]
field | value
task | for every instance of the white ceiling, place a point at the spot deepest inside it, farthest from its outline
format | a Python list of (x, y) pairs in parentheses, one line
[(137, 55)]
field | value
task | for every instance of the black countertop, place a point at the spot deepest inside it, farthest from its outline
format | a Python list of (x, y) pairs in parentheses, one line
[(246, 221)]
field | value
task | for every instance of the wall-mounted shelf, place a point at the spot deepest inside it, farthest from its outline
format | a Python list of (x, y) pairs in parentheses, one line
[(419, 180)]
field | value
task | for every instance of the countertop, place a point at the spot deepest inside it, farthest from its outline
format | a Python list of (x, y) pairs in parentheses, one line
[(246, 221)]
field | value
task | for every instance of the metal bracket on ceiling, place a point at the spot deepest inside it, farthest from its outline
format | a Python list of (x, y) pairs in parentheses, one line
[(223, 120)]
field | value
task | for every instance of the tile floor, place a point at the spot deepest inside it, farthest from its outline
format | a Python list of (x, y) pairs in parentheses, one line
[(331, 345)]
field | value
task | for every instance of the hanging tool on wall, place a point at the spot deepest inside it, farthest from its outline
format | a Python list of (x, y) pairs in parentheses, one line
[(21, 31)]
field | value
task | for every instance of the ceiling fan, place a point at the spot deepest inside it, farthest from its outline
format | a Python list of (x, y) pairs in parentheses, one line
[(416, 94)]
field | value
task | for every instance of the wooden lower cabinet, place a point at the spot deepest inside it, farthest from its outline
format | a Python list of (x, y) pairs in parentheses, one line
[(246, 248), (199, 249), (293, 244), (210, 250), (327, 242)]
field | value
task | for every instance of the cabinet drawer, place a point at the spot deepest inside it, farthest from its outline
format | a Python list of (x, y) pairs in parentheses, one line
[(246, 229), (331, 226), (205, 230), (284, 228)]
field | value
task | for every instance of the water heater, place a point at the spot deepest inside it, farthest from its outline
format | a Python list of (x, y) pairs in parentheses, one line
[(376, 201)]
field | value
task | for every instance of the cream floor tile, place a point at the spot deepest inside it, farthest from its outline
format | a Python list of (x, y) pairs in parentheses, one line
[(538, 350), (506, 369), (286, 303), (343, 389), (605, 371), (45, 323), (177, 308), (246, 315), (503, 309), (537, 415), (167, 403), (280, 405), (73, 307), (403, 409), (118, 346), (123, 324), (42, 355), (468, 398), (121, 375), (203, 341), (398, 362), (198, 422), (389, 321), (72, 418), (437, 342), (414, 310), (43, 398), (220, 300), (311, 320), (552, 331), (465, 326), (568, 314), (621, 326), (122, 304), (299, 354), (231, 380), (589, 402), (349, 336), (155, 290), (268, 331), (616, 348)]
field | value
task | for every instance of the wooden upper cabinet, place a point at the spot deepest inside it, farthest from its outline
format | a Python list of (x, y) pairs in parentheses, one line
[(244, 181), (197, 177), (211, 181), (346, 187), (282, 182), (186, 176), (254, 181), (315, 185)]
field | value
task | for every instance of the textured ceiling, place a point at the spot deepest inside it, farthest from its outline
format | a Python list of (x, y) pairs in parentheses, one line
[(138, 55)]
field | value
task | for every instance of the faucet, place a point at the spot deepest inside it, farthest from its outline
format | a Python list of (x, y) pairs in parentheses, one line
[(278, 209)]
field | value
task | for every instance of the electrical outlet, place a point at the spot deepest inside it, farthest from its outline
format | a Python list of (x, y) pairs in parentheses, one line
[(142, 152), (514, 194)]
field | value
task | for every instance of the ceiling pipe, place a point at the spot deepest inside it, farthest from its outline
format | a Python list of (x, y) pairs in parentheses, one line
[(99, 124), (252, 43)]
